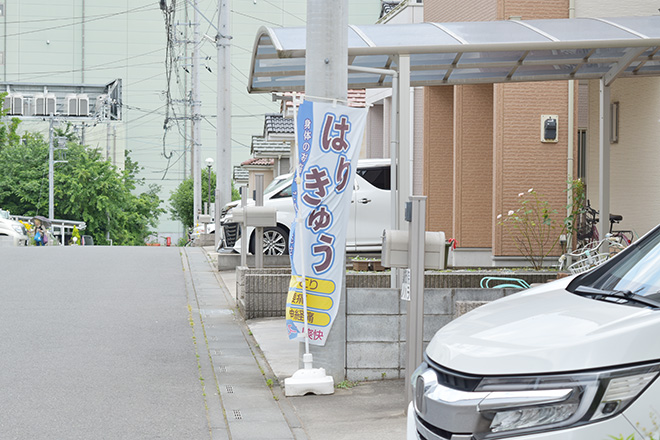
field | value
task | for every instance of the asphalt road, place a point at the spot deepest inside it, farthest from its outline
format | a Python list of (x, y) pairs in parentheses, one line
[(96, 343)]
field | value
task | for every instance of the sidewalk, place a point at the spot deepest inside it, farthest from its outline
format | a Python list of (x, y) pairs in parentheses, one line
[(370, 410)]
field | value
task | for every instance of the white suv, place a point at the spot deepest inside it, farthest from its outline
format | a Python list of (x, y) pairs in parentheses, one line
[(12, 229), (369, 214)]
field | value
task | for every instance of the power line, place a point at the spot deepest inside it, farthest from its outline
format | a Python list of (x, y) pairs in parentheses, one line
[(102, 17)]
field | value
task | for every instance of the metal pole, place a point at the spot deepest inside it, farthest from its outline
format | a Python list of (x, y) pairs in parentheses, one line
[(223, 122), (403, 157), (51, 173), (196, 122), (604, 162), (415, 317), (259, 230), (208, 200), (244, 239)]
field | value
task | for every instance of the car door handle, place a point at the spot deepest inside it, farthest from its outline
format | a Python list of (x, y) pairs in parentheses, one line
[(364, 201)]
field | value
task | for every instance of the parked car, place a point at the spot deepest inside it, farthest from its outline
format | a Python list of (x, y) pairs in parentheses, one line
[(12, 229), (576, 359), (369, 213)]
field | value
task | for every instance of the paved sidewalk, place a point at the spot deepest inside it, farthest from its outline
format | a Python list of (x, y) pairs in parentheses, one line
[(370, 410), (240, 403)]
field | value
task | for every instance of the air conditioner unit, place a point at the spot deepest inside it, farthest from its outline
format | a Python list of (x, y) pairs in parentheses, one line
[(16, 104), (51, 104), (83, 105), (39, 104), (71, 101)]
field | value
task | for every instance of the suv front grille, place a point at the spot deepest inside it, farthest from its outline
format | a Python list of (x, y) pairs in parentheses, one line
[(232, 234), (453, 379)]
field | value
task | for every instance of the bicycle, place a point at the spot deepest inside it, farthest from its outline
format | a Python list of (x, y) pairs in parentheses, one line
[(587, 230), (591, 250)]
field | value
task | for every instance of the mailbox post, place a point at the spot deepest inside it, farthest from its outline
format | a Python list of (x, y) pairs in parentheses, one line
[(259, 230), (257, 217), (416, 250)]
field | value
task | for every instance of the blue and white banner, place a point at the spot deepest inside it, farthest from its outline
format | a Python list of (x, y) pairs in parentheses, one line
[(329, 139)]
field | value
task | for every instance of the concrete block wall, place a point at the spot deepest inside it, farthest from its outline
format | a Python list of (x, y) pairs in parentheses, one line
[(376, 325)]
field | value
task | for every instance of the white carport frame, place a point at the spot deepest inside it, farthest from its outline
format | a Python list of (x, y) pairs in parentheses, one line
[(431, 54)]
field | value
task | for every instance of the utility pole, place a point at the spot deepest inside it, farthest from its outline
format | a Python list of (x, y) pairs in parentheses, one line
[(51, 172), (223, 121), (196, 121), (326, 78)]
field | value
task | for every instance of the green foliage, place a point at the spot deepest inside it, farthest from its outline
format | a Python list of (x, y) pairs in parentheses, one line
[(577, 207), (181, 199), (86, 188)]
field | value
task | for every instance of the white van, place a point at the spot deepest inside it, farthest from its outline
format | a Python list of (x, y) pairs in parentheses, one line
[(11, 230), (369, 214), (575, 359)]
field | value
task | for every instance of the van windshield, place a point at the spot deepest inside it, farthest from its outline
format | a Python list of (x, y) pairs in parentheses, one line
[(635, 271)]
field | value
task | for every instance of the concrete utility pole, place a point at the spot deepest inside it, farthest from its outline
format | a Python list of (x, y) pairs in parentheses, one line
[(326, 78), (223, 121), (196, 122)]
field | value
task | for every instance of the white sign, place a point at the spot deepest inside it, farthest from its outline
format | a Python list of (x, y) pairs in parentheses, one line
[(405, 285)]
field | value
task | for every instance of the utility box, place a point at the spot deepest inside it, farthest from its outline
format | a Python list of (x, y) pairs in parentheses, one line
[(395, 249), (394, 252), (260, 216), (205, 218)]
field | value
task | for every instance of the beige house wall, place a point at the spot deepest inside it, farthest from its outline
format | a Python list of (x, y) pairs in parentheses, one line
[(634, 160), (473, 165), (496, 137), (634, 177), (439, 158), (522, 161)]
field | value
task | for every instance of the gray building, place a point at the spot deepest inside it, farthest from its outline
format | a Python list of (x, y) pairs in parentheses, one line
[(95, 42)]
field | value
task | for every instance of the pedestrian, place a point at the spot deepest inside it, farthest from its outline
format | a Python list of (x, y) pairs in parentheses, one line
[(40, 234)]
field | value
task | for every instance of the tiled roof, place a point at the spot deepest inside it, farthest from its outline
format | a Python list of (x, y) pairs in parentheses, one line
[(259, 162), (356, 98), (276, 123), (241, 174), (265, 148)]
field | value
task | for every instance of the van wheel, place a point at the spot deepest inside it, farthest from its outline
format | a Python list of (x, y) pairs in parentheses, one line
[(276, 241)]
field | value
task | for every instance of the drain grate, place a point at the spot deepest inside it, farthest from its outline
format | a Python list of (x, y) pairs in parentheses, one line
[(237, 414), (222, 369), (230, 389)]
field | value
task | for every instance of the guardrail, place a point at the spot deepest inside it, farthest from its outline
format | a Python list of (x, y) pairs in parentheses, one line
[(58, 227)]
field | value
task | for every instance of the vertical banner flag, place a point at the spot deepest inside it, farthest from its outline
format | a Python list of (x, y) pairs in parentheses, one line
[(329, 138)]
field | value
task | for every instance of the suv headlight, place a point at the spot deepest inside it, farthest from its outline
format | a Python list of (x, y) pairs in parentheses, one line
[(518, 405), (18, 229), (515, 405)]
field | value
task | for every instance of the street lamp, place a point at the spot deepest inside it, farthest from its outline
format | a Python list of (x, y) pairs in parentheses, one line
[(209, 164)]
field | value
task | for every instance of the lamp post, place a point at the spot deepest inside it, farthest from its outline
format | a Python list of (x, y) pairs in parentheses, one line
[(209, 164)]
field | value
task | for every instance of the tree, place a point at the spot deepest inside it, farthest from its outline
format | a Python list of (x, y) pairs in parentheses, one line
[(87, 188), (181, 199)]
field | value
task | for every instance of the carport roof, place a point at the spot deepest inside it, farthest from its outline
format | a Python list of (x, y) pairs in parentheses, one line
[(472, 52)]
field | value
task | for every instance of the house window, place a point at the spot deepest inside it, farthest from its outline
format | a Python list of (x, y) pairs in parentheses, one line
[(2, 9), (582, 154)]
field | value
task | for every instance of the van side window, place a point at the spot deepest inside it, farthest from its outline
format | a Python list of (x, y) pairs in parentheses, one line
[(285, 192), (378, 177)]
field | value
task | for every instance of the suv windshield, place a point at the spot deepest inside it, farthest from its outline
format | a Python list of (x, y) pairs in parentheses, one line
[(635, 272)]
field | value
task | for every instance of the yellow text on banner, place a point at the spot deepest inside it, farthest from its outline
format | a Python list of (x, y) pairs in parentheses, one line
[(295, 298), (318, 319), (313, 285)]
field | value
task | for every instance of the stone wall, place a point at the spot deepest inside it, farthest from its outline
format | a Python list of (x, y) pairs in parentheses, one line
[(375, 314)]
